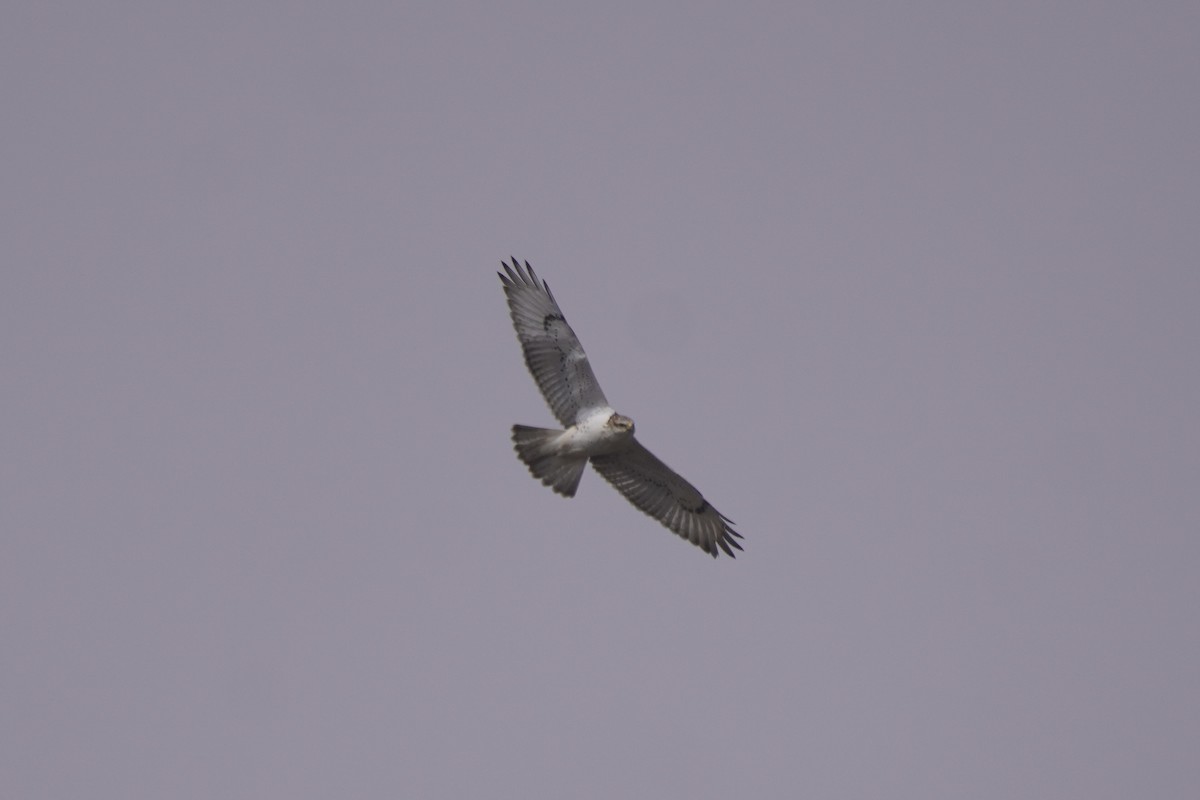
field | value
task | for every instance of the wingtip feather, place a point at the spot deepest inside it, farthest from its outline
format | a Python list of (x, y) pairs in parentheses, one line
[(522, 274)]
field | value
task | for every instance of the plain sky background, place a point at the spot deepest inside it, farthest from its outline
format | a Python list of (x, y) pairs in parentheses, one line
[(909, 290)]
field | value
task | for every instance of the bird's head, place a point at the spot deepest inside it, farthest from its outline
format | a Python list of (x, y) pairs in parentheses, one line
[(620, 423)]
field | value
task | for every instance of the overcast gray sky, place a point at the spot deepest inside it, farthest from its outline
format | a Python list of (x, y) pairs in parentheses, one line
[(911, 291)]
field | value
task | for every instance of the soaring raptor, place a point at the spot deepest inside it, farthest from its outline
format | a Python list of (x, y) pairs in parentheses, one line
[(594, 431)]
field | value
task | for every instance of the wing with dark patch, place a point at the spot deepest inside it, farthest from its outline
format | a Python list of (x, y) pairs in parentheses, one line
[(658, 490), (552, 351)]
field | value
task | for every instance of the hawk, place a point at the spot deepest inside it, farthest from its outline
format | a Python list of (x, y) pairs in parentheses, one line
[(594, 431)]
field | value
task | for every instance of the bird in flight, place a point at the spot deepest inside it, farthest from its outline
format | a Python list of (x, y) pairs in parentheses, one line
[(594, 431)]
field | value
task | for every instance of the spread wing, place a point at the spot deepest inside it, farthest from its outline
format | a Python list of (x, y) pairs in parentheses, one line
[(658, 490), (552, 351)]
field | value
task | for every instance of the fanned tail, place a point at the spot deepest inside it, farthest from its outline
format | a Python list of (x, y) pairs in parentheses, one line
[(534, 447)]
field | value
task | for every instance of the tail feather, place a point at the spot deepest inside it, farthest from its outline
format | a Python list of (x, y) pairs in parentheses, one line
[(560, 473)]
